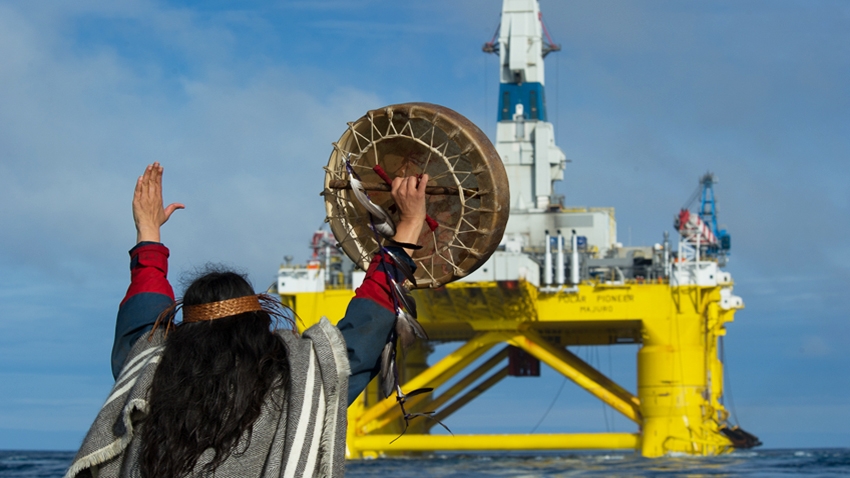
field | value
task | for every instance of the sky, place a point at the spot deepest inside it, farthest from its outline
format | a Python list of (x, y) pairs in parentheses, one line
[(241, 101)]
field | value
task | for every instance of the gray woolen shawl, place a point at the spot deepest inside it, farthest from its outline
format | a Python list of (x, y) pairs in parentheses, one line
[(299, 433)]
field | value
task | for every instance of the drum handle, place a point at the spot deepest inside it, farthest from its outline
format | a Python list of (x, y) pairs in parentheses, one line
[(432, 224), (432, 190)]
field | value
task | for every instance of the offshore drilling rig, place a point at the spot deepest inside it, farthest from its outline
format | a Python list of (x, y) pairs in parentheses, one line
[(559, 279)]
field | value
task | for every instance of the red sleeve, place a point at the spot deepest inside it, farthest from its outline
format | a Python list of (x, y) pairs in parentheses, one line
[(149, 270), (375, 285)]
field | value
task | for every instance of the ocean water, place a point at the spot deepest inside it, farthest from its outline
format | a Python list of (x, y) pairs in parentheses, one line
[(761, 463)]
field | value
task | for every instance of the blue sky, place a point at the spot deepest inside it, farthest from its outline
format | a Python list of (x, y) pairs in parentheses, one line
[(241, 101)]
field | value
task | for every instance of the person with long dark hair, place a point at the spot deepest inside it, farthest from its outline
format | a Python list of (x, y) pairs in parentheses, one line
[(227, 391)]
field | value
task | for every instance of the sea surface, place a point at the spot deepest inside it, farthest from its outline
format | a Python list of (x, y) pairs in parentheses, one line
[(761, 463)]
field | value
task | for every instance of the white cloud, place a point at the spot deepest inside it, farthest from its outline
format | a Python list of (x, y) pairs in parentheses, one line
[(815, 346), (243, 150)]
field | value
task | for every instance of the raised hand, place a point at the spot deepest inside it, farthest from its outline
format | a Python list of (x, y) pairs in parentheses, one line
[(409, 195), (148, 213)]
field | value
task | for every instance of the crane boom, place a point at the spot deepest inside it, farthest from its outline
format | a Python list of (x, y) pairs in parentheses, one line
[(689, 224), (700, 229)]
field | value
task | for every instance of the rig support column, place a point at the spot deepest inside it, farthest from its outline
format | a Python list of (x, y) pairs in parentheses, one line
[(673, 381)]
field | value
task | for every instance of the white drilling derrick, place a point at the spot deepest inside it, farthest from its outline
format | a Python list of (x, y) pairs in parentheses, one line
[(524, 138)]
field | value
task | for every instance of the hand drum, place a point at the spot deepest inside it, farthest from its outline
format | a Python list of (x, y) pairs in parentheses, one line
[(468, 198)]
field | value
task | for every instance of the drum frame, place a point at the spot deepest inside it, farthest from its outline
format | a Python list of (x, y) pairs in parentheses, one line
[(412, 138)]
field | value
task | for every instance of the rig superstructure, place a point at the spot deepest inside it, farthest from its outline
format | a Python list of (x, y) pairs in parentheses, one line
[(559, 279)]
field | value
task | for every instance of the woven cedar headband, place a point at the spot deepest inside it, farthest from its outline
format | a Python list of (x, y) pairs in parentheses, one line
[(222, 308)]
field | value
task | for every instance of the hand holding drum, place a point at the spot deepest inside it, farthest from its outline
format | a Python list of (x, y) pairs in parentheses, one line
[(468, 203)]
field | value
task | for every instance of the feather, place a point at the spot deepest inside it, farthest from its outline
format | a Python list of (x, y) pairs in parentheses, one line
[(418, 391), (384, 229), (401, 265), (408, 329), (383, 222), (386, 358), (388, 381), (360, 194), (441, 424), (403, 295), (404, 329), (418, 329)]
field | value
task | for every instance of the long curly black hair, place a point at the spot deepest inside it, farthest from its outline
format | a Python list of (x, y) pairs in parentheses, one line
[(211, 383)]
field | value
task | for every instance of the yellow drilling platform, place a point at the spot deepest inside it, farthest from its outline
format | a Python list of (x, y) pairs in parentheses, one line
[(559, 279)]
